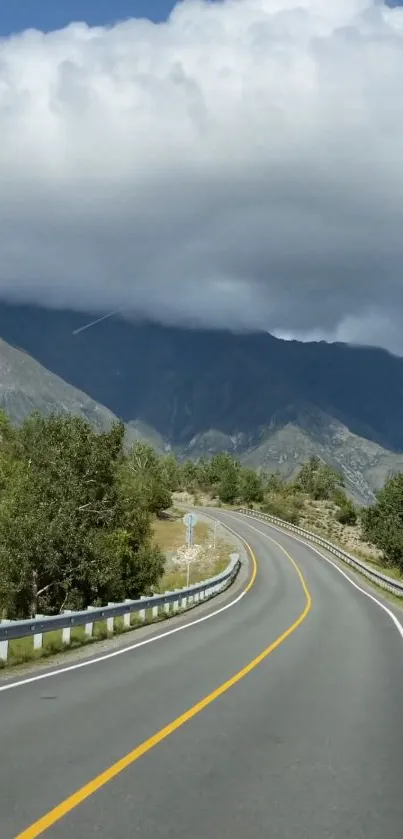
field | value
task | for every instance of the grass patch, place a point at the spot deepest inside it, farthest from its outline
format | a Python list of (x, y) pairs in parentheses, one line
[(170, 534)]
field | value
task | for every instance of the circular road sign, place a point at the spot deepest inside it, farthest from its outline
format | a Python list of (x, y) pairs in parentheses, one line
[(190, 519)]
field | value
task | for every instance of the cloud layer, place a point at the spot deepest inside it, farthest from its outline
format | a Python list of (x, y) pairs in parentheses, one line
[(239, 165)]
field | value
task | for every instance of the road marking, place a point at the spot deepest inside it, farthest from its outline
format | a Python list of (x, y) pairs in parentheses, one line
[(79, 665), (73, 801), (308, 544)]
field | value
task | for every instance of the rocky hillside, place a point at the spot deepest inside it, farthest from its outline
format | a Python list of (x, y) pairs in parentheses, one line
[(284, 448), (26, 386), (364, 464)]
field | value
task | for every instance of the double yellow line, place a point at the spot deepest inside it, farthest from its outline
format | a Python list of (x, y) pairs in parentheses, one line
[(70, 803)]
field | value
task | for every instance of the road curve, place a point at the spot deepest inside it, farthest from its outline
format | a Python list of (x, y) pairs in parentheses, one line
[(303, 739)]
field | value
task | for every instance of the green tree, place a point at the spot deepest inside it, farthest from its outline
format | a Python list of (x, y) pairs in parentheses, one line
[(223, 477), (275, 483), (347, 512), (250, 487), (383, 522), (190, 475), (72, 531), (171, 473), (217, 466), (319, 480), (327, 481), (228, 486), (305, 479), (149, 476), (63, 491), (204, 477)]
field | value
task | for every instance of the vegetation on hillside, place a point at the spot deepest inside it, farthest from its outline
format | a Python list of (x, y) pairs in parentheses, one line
[(77, 511), (381, 524), (223, 477)]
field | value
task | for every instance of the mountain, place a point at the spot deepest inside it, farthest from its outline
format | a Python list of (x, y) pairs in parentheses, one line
[(286, 445), (182, 382), (269, 400), (364, 464), (26, 386)]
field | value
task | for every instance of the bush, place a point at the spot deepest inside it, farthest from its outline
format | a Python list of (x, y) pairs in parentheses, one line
[(318, 479), (346, 513), (288, 511)]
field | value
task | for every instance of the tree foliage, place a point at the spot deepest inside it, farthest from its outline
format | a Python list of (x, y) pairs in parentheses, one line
[(383, 522), (150, 476), (75, 516), (223, 477), (319, 480), (251, 487), (346, 510)]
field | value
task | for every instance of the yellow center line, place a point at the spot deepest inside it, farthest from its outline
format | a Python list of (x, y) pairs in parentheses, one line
[(45, 822)]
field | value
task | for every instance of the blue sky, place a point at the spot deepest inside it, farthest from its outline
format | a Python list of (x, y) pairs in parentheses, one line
[(18, 15), (54, 14)]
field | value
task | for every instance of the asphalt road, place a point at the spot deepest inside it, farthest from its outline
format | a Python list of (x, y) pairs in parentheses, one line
[(306, 743)]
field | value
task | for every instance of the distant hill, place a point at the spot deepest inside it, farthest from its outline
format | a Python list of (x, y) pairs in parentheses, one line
[(273, 402), (285, 447), (27, 386), (365, 464)]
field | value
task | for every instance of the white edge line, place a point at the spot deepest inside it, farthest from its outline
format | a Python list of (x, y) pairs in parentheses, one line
[(307, 544), (132, 647)]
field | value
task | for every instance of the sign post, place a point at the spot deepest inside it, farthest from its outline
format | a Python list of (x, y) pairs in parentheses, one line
[(190, 521)]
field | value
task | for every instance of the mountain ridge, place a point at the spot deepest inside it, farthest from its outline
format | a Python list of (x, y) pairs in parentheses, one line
[(192, 391), (27, 386), (182, 382)]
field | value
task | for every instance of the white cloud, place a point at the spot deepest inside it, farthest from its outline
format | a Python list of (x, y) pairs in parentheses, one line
[(241, 165)]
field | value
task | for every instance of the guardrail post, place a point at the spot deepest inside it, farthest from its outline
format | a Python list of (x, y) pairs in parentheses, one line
[(155, 612), (126, 616), (196, 596), (183, 601), (142, 612), (88, 627), (110, 622), (38, 638), (167, 606), (4, 644), (176, 603), (66, 632)]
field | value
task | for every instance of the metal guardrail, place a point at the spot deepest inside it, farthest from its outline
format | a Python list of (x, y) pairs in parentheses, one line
[(382, 580), (67, 620)]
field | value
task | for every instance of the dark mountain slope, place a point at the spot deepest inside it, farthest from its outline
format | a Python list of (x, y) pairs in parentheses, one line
[(185, 382)]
